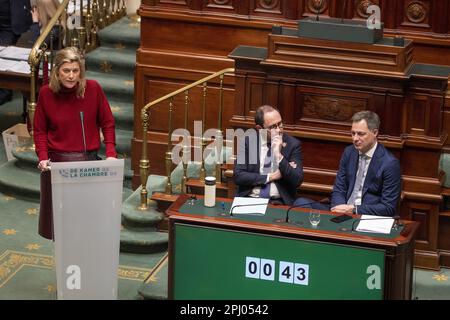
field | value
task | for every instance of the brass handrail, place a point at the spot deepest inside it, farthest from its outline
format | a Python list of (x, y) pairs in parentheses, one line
[(34, 59), (144, 164)]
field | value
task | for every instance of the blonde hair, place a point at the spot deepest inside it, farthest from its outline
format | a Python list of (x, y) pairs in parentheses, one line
[(46, 10), (68, 55)]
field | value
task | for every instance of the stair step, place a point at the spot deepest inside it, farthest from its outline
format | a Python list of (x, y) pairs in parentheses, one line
[(120, 32), (26, 156), (18, 182), (135, 218), (148, 218), (138, 241), (123, 113), (123, 141), (118, 87), (116, 60), (155, 286)]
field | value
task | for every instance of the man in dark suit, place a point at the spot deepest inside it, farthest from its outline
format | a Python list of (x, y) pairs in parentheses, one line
[(369, 178), (15, 19), (269, 162), (377, 190)]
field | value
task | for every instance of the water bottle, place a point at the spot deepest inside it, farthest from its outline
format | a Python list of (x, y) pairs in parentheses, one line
[(210, 191)]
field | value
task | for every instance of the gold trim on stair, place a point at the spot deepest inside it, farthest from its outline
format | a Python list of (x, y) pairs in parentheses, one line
[(11, 262), (152, 276)]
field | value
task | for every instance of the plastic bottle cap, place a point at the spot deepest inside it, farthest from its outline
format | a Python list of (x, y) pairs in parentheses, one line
[(210, 181)]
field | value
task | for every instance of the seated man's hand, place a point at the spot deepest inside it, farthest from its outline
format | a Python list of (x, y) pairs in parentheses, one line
[(343, 208), (275, 175), (277, 142), (293, 164)]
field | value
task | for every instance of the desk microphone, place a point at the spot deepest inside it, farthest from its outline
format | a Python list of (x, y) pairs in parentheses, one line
[(82, 130), (247, 205), (394, 226), (319, 5), (343, 11), (298, 206)]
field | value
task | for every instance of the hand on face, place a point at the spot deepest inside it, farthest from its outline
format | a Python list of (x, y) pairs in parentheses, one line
[(35, 14)]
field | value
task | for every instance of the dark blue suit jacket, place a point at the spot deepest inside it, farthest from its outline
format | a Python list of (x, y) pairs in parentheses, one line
[(382, 185), (20, 16), (246, 169)]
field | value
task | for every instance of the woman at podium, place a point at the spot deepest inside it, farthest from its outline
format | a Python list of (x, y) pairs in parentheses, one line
[(70, 113)]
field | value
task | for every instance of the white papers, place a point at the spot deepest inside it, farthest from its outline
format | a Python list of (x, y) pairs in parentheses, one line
[(247, 205), (15, 53), (377, 224), (14, 66)]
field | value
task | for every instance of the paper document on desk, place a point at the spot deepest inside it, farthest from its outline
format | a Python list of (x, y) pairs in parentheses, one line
[(378, 224), (14, 66), (15, 53), (248, 205)]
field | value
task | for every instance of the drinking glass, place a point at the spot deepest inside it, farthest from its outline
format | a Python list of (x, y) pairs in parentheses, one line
[(314, 217)]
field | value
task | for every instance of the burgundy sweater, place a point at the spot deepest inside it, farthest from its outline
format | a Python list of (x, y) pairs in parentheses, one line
[(57, 121)]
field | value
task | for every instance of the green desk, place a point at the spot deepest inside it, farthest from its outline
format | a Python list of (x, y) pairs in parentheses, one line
[(213, 255)]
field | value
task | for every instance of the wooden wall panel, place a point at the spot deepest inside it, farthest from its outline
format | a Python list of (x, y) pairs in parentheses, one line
[(185, 40)]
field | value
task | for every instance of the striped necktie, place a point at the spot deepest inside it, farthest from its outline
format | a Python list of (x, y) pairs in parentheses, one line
[(359, 179), (265, 189)]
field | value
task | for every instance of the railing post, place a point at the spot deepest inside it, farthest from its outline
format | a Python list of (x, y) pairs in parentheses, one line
[(169, 150), (219, 135), (186, 151), (144, 163), (88, 26), (203, 140)]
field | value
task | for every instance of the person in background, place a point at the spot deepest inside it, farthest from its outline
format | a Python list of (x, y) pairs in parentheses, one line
[(70, 113), (277, 170), (41, 13), (369, 177), (15, 19)]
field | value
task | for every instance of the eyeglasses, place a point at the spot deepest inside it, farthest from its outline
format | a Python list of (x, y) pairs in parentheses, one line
[(278, 125)]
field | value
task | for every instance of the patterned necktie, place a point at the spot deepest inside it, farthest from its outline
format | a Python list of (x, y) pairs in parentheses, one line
[(359, 179), (265, 189)]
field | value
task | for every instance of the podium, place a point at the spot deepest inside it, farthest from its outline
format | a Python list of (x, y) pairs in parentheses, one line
[(87, 203), (215, 256)]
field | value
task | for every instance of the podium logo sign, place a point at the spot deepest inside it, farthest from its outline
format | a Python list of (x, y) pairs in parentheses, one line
[(77, 174), (73, 281)]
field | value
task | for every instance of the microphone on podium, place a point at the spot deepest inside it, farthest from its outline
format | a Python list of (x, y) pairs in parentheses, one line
[(82, 130), (302, 205)]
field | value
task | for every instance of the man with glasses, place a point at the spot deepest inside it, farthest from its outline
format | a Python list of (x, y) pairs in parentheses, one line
[(369, 177), (273, 168)]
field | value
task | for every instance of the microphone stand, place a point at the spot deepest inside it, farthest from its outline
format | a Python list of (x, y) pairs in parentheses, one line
[(295, 206), (318, 9), (82, 130), (343, 11)]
